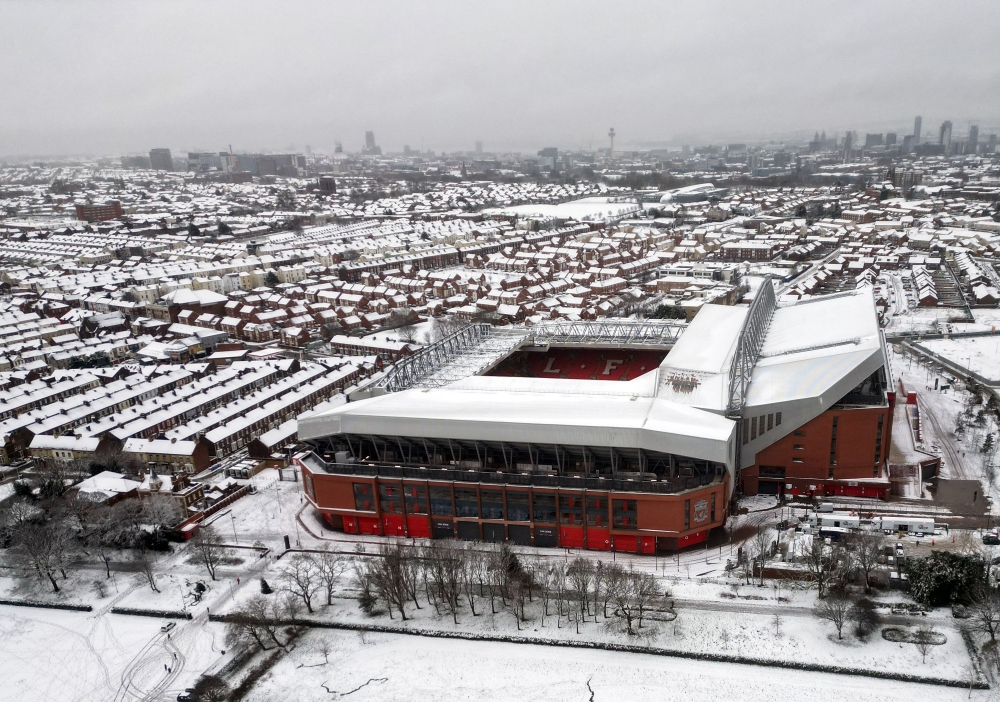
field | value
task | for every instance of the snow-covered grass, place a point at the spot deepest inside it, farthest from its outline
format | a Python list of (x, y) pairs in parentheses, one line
[(177, 592), (75, 589), (75, 657), (980, 354), (399, 667), (924, 319)]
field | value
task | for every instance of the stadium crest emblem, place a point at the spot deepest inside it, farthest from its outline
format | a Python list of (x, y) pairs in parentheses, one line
[(700, 510)]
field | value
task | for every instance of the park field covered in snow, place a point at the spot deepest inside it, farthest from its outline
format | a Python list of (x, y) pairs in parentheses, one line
[(384, 667)]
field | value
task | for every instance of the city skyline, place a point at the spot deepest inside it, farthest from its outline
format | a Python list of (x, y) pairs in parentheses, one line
[(317, 75)]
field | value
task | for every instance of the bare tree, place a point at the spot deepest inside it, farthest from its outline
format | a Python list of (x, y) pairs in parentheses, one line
[(160, 512), (820, 565), (208, 550), (444, 564), (517, 591), (761, 547), (82, 510), (559, 585), (924, 639), (256, 622), (330, 566), (411, 568), (646, 591), (623, 599), (446, 326), (986, 610), (495, 575), (105, 537), (472, 569), (15, 515), (42, 548), (581, 577), (600, 572), (407, 334), (147, 566), (385, 576), (834, 609), (614, 578), (301, 577), (545, 582), (325, 648), (865, 547)]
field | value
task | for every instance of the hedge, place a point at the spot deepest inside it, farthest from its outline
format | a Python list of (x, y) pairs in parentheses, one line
[(48, 605), (161, 613)]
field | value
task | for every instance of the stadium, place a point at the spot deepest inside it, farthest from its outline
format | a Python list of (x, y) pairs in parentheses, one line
[(631, 435)]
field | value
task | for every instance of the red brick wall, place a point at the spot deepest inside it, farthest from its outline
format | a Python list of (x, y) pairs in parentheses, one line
[(857, 430)]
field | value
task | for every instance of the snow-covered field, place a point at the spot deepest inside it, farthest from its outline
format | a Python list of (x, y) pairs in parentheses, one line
[(51, 655), (397, 667), (924, 319), (980, 354), (585, 209)]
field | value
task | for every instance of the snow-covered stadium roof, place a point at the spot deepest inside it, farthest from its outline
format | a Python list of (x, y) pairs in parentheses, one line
[(814, 353), (583, 413)]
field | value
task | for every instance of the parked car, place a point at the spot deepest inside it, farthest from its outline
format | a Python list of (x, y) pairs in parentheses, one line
[(168, 626)]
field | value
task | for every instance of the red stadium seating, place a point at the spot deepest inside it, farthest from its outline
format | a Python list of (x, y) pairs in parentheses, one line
[(580, 364)]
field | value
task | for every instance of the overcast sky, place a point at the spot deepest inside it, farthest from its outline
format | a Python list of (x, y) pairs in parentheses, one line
[(100, 77)]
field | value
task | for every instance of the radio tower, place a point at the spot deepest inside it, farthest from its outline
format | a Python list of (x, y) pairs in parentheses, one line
[(612, 135)]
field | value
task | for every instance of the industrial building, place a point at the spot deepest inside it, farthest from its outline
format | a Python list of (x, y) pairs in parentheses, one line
[(624, 435)]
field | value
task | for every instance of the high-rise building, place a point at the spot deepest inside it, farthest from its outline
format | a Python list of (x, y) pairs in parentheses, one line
[(549, 155), (135, 161), (161, 160), (848, 144), (873, 140), (973, 138), (992, 146), (370, 146), (944, 136), (407, 151), (908, 143), (918, 124), (890, 139), (99, 213), (479, 147), (327, 185), (203, 161)]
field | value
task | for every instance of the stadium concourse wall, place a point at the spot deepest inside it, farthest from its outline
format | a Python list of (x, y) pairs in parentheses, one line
[(546, 516)]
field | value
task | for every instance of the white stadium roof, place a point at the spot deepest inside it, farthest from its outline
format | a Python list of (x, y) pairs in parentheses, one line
[(814, 353), (583, 414)]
